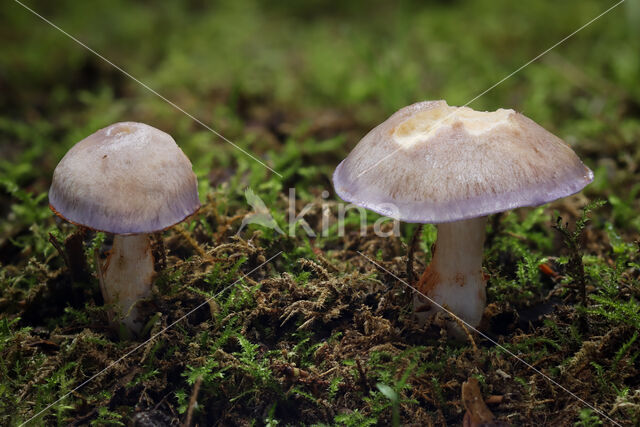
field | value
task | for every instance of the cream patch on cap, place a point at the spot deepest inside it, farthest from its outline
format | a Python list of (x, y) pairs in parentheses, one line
[(423, 125)]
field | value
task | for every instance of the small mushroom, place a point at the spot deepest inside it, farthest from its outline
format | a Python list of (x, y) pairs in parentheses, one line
[(452, 166), (128, 179)]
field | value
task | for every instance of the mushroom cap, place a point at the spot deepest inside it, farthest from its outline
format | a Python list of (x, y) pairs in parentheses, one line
[(127, 178), (433, 163)]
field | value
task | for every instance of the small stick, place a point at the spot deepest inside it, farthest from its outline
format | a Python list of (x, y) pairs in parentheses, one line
[(494, 399), (100, 273), (193, 401), (410, 254), (363, 376), (74, 247), (73, 254), (327, 372), (56, 244)]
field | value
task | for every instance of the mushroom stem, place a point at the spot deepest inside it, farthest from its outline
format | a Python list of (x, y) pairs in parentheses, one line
[(127, 276), (454, 278)]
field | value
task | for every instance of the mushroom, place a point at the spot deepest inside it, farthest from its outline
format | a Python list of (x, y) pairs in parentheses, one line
[(452, 166), (128, 179)]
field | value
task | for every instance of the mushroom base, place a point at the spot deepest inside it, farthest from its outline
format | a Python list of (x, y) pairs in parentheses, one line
[(454, 279), (127, 275)]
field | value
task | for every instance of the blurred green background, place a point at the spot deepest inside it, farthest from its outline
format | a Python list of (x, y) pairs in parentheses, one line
[(268, 75)]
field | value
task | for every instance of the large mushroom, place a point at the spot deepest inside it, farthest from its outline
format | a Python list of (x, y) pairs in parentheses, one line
[(452, 166), (128, 179)]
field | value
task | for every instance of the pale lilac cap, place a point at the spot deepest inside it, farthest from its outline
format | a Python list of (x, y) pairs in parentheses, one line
[(433, 163), (127, 178)]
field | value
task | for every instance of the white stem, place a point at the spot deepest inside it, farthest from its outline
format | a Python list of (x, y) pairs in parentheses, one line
[(128, 274), (454, 278)]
